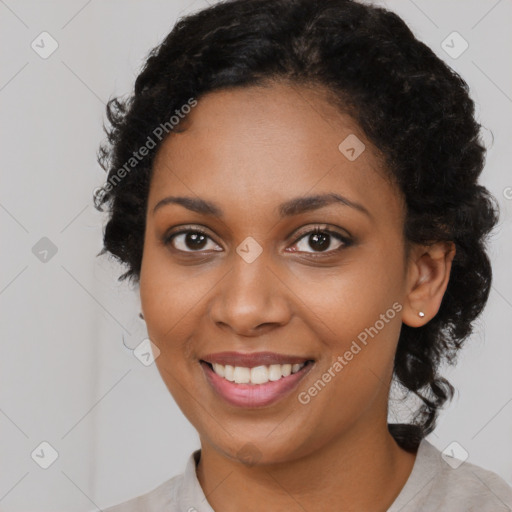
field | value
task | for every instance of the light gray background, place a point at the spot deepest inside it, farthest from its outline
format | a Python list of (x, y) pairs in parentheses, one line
[(65, 375)]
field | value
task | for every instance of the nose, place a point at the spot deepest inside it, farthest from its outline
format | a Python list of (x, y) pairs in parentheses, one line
[(251, 299)]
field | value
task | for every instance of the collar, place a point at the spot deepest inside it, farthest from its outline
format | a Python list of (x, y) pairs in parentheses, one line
[(191, 497)]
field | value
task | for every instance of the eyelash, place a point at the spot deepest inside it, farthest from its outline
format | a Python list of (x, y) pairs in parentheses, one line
[(347, 242)]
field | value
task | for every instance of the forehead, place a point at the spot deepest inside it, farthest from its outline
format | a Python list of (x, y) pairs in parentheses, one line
[(269, 144)]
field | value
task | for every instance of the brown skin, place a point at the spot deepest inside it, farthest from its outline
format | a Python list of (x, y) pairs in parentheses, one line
[(248, 150)]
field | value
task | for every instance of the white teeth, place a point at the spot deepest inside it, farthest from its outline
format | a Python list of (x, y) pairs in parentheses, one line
[(256, 375), (259, 375), (219, 369), (274, 372), (242, 375), (229, 373), (286, 369)]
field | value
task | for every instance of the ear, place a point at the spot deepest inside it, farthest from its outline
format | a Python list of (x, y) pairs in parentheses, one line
[(428, 271)]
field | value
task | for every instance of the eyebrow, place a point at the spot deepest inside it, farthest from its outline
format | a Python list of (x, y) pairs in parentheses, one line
[(291, 207)]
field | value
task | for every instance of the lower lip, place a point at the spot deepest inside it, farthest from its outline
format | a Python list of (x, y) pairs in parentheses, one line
[(254, 395)]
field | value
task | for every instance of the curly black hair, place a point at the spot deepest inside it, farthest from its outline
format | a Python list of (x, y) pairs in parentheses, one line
[(413, 107)]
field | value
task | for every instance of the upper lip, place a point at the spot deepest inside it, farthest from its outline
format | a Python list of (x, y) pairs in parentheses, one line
[(250, 360)]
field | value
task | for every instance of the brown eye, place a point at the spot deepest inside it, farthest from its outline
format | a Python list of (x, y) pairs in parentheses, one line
[(190, 241), (321, 241)]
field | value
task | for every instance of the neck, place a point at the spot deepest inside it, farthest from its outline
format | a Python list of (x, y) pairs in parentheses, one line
[(363, 469)]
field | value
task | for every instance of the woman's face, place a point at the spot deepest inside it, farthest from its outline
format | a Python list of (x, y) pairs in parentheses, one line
[(258, 280)]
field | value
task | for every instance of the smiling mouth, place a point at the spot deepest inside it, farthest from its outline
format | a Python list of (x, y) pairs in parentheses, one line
[(255, 387), (256, 375)]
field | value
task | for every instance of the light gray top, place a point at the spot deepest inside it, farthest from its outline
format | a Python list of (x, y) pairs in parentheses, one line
[(433, 485)]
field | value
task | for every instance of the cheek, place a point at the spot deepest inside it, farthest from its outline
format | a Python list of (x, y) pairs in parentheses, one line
[(354, 310), (359, 349), (168, 297), (168, 291), (345, 300)]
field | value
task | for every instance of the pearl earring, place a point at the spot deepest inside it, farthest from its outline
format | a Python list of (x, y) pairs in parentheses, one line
[(421, 314)]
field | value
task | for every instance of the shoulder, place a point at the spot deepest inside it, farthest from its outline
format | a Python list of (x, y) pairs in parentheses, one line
[(471, 487), (181, 493), (162, 497), (440, 482)]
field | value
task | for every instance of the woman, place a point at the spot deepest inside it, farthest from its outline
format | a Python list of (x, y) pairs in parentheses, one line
[(294, 185)]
